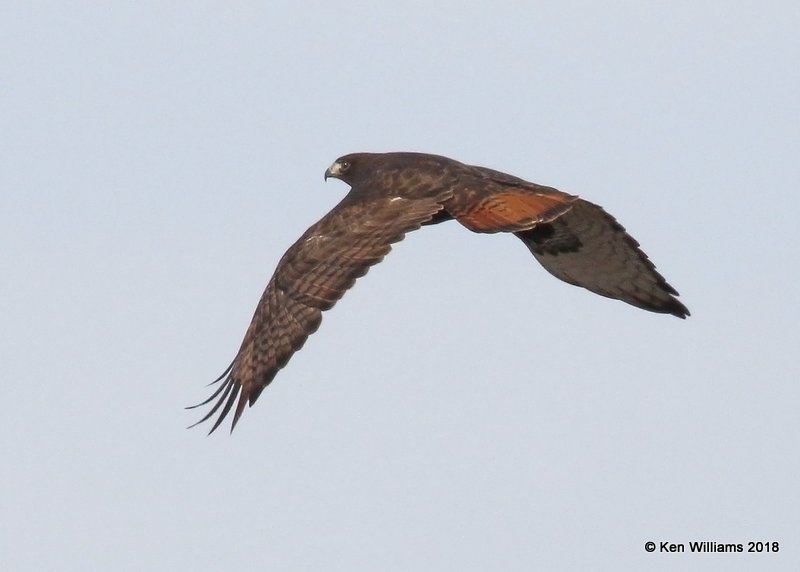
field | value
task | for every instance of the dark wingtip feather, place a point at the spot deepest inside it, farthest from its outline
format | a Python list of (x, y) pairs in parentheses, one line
[(228, 398), (661, 305), (239, 409), (225, 394), (213, 395), (677, 309), (670, 305)]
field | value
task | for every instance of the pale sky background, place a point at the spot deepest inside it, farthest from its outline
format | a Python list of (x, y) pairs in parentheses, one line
[(460, 409)]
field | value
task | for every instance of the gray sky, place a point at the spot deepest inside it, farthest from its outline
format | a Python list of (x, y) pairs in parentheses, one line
[(460, 409)]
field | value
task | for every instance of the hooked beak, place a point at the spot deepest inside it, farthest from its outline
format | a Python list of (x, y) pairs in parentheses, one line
[(332, 171)]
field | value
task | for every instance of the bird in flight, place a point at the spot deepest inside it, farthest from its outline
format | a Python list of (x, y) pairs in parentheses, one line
[(392, 194)]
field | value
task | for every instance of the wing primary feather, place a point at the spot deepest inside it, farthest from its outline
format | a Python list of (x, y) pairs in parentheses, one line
[(226, 395), (236, 414), (217, 392), (226, 398), (224, 374), (231, 393)]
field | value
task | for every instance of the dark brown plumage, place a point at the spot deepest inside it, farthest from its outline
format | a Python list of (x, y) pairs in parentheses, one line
[(394, 193)]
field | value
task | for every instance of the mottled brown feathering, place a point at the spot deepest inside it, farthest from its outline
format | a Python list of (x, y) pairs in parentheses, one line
[(395, 193)]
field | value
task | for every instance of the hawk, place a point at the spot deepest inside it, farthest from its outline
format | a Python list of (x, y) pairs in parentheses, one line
[(392, 194)]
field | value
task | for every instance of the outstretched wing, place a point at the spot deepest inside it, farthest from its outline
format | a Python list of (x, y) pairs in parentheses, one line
[(311, 277), (587, 247)]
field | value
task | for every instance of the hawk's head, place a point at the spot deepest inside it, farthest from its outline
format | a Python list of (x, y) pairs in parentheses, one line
[(344, 168), (339, 168)]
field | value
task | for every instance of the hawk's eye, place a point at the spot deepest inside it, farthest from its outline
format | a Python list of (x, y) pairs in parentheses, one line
[(344, 165)]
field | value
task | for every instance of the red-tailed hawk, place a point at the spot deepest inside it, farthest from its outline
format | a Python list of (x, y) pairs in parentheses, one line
[(394, 193)]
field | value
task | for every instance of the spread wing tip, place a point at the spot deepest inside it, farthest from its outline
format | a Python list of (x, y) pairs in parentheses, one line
[(225, 395), (677, 309), (673, 307), (661, 301)]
